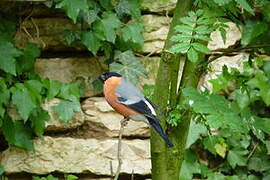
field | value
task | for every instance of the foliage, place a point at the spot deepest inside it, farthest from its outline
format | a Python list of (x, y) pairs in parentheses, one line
[(21, 89), (238, 126), (193, 36), (108, 27), (51, 177)]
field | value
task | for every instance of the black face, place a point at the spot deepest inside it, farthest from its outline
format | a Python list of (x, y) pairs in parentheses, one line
[(107, 75)]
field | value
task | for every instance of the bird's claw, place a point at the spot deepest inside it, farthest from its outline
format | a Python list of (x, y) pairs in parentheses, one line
[(124, 122)]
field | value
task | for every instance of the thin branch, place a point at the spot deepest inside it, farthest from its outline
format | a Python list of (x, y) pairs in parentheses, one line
[(253, 150), (229, 51), (123, 123)]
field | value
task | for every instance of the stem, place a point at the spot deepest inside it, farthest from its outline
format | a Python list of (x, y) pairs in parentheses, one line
[(229, 51), (119, 149)]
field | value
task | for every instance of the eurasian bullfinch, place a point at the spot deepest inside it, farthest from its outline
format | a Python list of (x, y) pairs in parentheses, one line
[(127, 100)]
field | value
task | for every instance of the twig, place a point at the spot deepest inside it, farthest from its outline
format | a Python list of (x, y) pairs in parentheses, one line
[(111, 168), (253, 150), (119, 148), (229, 51), (132, 174)]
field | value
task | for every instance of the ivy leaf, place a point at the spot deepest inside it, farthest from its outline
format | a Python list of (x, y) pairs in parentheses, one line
[(130, 7), (8, 54), (236, 157), (106, 4), (91, 41), (195, 130), (105, 27), (129, 66), (17, 133), (210, 142), (73, 8), (133, 33), (221, 82), (23, 100), (200, 47), (244, 4), (259, 163), (38, 118), (4, 97), (261, 81), (67, 108), (71, 36), (263, 124), (2, 170), (251, 30), (192, 55), (26, 62), (89, 16), (35, 88)]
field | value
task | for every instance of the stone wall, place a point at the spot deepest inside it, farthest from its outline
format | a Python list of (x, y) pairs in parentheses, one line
[(87, 147)]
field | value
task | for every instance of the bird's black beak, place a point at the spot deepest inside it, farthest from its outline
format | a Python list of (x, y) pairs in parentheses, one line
[(102, 77)]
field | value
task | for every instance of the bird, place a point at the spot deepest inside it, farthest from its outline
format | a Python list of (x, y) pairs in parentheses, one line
[(126, 99)]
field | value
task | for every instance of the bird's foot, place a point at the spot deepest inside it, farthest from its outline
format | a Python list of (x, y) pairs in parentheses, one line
[(124, 122)]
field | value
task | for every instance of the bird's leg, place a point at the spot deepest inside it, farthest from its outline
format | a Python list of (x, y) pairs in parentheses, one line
[(124, 121)]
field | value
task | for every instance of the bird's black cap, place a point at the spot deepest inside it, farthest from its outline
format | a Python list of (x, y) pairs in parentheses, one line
[(107, 75)]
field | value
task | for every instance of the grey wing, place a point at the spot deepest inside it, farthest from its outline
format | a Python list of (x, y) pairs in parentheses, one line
[(128, 94)]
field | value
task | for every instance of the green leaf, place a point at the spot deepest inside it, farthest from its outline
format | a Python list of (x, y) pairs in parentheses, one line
[(73, 8), (2, 170), (180, 47), (262, 124), (38, 118), (267, 143), (261, 81), (89, 16), (105, 28), (130, 7), (216, 176), (221, 82), (67, 108), (192, 55), (8, 54), (71, 36), (106, 4), (190, 166), (200, 47), (195, 130), (244, 4), (23, 100), (91, 41), (259, 163), (203, 29), (184, 29), (222, 2), (97, 85), (70, 177), (133, 33), (26, 62), (210, 142), (251, 30), (236, 157), (4, 97), (223, 34), (130, 66), (53, 87), (188, 20), (182, 38), (17, 133), (35, 88)]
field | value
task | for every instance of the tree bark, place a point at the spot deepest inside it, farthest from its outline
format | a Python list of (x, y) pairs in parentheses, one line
[(166, 162)]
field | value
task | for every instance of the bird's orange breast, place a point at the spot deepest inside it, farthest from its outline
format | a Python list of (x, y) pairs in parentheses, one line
[(111, 97)]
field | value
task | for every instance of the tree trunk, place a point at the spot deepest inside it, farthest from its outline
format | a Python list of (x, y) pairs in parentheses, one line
[(166, 162)]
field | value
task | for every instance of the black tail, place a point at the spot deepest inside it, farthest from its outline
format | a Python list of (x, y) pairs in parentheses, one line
[(156, 125)]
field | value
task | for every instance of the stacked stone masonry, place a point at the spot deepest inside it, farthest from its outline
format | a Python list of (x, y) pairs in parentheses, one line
[(89, 143)]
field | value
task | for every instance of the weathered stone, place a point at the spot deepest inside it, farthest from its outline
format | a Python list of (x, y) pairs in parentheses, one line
[(67, 69), (54, 123), (69, 155), (232, 36), (47, 33), (105, 121), (162, 6), (216, 68), (156, 30)]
